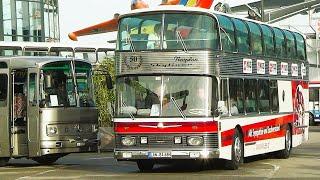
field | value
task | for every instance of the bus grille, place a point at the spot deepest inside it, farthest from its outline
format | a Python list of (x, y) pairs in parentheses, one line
[(167, 141)]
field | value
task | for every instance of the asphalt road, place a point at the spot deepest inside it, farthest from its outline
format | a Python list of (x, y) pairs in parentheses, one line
[(304, 163)]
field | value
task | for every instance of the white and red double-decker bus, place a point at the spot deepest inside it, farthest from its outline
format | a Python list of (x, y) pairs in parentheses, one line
[(196, 84)]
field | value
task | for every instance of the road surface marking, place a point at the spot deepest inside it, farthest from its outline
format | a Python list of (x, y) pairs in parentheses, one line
[(100, 158), (72, 177), (33, 176), (274, 170)]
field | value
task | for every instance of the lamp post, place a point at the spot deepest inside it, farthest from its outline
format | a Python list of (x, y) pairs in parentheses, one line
[(262, 10)]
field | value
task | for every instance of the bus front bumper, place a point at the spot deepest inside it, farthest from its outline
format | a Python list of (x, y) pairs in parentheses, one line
[(54, 147), (166, 154)]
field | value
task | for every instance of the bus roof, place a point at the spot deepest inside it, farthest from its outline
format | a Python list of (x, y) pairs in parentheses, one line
[(180, 8), (21, 62)]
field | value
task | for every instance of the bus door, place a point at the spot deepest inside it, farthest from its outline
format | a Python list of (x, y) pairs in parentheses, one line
[(4, 113), (18, 124), (33, 113)]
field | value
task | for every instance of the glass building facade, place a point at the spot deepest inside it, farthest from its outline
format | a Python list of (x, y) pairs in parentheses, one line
[(29, 20)]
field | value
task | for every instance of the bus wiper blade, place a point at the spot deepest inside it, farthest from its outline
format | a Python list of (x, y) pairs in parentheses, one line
[(184, 46), (130, 113), (178, 108)]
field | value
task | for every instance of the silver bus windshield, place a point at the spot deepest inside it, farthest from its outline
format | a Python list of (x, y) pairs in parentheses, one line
[(174, 31), (165, 96), (58, 88)]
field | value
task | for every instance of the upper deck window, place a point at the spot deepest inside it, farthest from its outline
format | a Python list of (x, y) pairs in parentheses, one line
[(268, 39), (242, 36), (280, 43), (291, 48), (178, 32), (227, 34), (301, 52), (256, 38)]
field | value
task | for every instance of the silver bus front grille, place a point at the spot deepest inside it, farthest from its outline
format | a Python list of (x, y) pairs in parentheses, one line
[(167, 141)]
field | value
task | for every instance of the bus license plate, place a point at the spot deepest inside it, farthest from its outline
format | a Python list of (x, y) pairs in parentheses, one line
[(159, 154)]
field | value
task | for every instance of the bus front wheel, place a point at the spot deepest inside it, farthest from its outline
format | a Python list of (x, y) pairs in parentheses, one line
[(237, 152), (285, 153), (145, 165)]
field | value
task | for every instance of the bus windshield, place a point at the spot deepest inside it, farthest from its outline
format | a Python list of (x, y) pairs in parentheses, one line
[(58, 87), (84, 84), (165, 96), (174, 31)]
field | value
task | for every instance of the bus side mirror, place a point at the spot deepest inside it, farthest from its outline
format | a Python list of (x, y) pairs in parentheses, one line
[(109, 81), (48, 81)]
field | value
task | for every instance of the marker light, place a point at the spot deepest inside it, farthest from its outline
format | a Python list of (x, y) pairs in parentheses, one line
[(144, 140), (178, 140)]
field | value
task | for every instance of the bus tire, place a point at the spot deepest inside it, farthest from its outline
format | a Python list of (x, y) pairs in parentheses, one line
[(311, 120), (46, 160), (237, 152), (145, 165), (285, 153), (3, 161)]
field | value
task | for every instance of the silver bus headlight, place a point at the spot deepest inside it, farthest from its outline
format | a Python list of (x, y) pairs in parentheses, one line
[(128, 141), (52, 130), (195, 140)]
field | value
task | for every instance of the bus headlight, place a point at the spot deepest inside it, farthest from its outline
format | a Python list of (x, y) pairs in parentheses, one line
[(195, 140), (52, 130), (128, 141)]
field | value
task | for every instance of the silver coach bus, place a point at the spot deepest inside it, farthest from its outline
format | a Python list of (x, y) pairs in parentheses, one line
[(47, 108)]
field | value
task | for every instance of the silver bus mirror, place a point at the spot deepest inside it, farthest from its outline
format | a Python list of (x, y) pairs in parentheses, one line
[(48, 81)]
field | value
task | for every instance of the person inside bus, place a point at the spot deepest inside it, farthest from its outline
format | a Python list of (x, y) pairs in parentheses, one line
[(234, 109), (62, 93), (154, 39)]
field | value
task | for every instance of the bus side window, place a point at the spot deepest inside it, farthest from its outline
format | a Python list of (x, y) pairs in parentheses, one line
[(250, 95), (256, 38), (268, 39), (223, 107), (263, 96), (3, 90), (280, 43), (242, 35), (236, 96), (227, 34), (291, 47), (274, 102), (301, 52)]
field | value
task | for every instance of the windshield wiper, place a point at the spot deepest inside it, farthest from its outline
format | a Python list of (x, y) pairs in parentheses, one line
[(178, 108), (184, 46), (224, 31), (130, 113)]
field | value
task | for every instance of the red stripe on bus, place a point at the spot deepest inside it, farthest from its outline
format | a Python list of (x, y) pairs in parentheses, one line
[(269, 129), (166, 127)]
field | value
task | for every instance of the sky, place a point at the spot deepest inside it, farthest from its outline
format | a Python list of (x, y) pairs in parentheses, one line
[(78, 14)]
